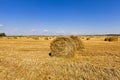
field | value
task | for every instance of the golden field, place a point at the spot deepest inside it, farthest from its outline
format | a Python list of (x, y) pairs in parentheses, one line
[(26, 58)]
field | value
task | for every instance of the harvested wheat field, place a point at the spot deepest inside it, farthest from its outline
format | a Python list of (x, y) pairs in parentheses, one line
[(27, 58)]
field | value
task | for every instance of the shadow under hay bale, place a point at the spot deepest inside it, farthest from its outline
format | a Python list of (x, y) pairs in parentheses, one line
[(50, 54), (87, 38), (65, 46), (106, 39)]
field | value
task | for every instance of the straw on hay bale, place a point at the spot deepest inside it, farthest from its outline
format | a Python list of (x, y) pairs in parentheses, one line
[(65, 46), (78, 43)]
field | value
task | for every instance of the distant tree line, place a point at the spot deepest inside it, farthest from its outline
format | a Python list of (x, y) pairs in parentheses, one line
[(113, 34), (2, 34), (102, 35)]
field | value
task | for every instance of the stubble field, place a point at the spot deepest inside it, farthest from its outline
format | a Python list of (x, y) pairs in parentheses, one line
[(26, 58)]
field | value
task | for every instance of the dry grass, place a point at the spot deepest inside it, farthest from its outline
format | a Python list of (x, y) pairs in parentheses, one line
[(28, 59)]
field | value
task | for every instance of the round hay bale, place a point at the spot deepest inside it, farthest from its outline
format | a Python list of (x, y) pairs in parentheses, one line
[(111, 39), (78, 43), (46, 38), (106, 39), (65, 46), (88, 38)]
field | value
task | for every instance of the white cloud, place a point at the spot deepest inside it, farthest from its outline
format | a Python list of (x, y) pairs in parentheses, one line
[(74, 33), (33, 30), (15, 29), (45, 30), (1, 25), (62, 31)]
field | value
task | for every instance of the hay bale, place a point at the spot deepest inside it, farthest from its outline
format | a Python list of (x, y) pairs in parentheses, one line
[(46, 38), (65, 46), (35, 38), (88, 38), (50, 38), (78, 43), (15, 37), (106, 39), (111, 38)]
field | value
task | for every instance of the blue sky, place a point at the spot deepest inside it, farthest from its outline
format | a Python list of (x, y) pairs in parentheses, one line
[(36, 17)]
